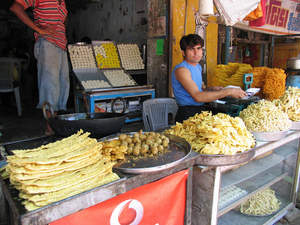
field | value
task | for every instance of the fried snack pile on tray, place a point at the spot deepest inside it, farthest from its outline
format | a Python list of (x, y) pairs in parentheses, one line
[(271, 82), (264, 116), (289, 103), (219, 134), (263, 203), (59, 170), (139, 144), (231, 74)]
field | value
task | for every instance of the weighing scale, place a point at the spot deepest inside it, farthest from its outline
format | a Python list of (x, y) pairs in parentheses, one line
[(233, 106)]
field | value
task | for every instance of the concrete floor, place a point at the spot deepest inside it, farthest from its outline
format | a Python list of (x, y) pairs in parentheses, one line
[(32, 125)]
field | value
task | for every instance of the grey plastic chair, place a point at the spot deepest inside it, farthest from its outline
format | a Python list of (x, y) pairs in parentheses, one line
[(156, 112), (6, 78)]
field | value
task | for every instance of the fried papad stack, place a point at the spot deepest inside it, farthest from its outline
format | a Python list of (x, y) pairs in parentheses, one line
[(59, 170)]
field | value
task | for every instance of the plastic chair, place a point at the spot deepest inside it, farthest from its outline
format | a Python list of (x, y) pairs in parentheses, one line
[(6, 77), (156, 112)]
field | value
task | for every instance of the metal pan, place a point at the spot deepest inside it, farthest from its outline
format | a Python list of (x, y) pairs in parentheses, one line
[(98, 124), (179, 149), (225, 160)]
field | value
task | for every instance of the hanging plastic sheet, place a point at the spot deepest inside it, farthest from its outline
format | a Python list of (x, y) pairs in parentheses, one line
[(234, 11)]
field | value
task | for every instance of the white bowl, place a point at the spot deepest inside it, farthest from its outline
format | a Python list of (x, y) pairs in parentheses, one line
[(269, 136)]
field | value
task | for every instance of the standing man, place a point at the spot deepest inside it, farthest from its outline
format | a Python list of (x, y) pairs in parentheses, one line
[(187, 81), (50, 20)]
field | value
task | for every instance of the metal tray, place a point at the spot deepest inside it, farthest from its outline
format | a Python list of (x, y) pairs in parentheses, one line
[(179, 149), (90, 74), (99, 43), (269, 136), (133, 55), (52, 212), (73, 51), (219, 160), (125, 72), (225, 160), (295, 126)]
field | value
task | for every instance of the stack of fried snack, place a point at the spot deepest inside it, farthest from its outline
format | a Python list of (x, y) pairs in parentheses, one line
[(219, 134), (271, 82), (59, 170), (289, 103), (264, 116), (231, 74)]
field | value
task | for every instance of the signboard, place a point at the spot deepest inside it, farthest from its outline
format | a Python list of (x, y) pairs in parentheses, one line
[(282, 18), (158, 203)]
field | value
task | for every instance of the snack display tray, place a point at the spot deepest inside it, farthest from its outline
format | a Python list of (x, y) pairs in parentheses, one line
[(179, 149), (81, 44), (130, 77), (140, 55), (98, 43), (90, 74)]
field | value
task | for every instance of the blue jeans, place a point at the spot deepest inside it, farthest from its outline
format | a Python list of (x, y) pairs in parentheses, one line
[(53, 74)]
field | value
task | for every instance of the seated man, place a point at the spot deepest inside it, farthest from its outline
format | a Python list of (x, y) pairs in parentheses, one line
[(186, 81)]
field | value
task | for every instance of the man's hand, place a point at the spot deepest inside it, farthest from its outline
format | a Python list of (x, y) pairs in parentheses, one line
[(49, 30), (237, 93)]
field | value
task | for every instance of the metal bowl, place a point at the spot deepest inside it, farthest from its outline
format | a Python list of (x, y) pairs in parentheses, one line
[(269, 136)]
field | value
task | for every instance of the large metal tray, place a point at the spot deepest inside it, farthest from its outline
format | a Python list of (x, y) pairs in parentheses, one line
[(53, 211), (179, 149), (70, 205), (225, 160), (219, 160)]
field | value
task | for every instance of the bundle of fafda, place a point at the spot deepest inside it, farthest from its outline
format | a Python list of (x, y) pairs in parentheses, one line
[(59, 170), (218, 134)]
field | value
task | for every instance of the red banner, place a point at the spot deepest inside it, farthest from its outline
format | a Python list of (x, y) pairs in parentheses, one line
[(157, 203)]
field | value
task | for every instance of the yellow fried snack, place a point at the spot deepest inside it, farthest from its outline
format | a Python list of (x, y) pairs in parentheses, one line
[(231, 74), (137, 144), (264, 116), (263, 203), (218, 134), (59, 170), (271, 82), (289, 103)]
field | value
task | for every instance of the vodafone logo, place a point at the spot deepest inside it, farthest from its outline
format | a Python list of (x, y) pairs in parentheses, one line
[(129, 212)]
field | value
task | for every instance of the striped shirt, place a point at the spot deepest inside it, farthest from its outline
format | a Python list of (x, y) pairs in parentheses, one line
[(49, 12)]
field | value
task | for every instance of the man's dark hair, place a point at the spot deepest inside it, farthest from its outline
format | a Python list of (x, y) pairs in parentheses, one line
[(190, 40)]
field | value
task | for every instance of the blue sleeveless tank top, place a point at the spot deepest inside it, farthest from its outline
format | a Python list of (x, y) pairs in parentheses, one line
[(182, 97)]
